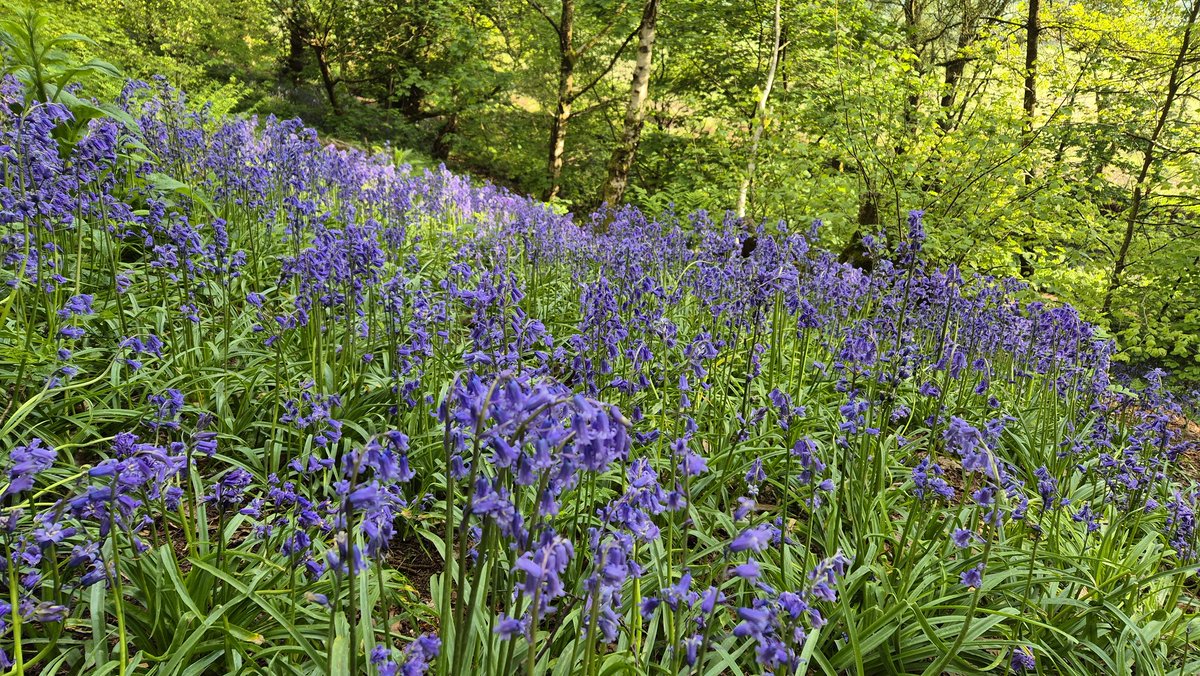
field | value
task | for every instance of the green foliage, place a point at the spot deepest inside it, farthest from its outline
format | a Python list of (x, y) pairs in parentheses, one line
[(223, 51), (43, 63)]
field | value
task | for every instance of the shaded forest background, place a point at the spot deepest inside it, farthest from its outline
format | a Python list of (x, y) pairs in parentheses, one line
[(1047, 140)]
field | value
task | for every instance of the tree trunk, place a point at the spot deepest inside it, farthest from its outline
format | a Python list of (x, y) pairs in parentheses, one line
[(760, 113), (294, 64), (566, 96), (410, 102), (855, 252), (1033, 31), (635, 112), (955, 68), (442, 142), (1140, 190), (912, 17), (410, 98), (326, 77)]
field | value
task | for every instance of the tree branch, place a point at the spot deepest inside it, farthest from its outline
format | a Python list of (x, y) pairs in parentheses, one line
[(604, 31), (608, 69), (540, 10)]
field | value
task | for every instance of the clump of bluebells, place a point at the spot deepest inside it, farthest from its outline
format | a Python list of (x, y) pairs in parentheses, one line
[(284, 406)]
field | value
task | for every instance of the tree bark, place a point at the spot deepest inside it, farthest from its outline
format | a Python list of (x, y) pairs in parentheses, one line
[(1033, 29), (635, 111), (410, 102), (760, 113), (569, 56), (442, 143), (855, 252), (955, 68), (1140, 189), (326, 77), (294, 64)]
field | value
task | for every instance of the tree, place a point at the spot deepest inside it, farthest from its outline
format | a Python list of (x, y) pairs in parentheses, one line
[(1151, 150), (635, 111), (569, 55), (760, 112), (316, 23), (1033, 28)]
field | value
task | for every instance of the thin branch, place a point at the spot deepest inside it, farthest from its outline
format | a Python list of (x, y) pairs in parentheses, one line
[(608, 69), (605, 103), (587, 47), (1163, 147), (540, 10)]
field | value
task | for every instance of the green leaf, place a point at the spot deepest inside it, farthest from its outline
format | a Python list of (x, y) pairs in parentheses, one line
[(195, 635), (339, 652), (165, 183)]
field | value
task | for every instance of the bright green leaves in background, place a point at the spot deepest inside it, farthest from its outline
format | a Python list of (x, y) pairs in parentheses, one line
[(920, 102)]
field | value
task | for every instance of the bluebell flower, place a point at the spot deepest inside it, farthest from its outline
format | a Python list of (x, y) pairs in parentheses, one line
[(972, 577), (693, 464), (962, 538), (927, 479), (419, 655), (381, 659), (755, 538), (27, 462), (77, 306), (509, 627), (229, 491), (747, 571), (1022, 659)]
